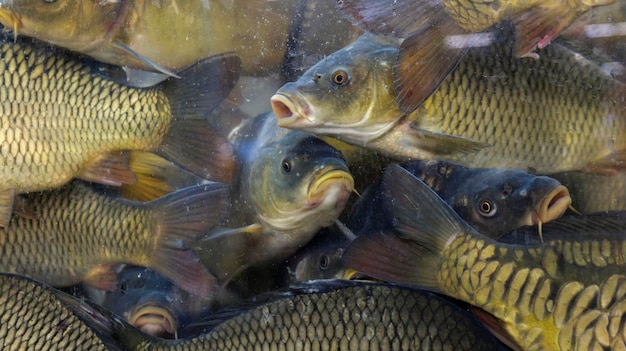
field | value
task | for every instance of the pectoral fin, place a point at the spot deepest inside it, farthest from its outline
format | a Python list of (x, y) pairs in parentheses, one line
[(609, 165), (439, 144), (101, 277), (109, 169), (144, 59), (7, 197)]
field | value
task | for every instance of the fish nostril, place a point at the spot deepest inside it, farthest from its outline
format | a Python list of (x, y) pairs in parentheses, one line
[(281, 110)]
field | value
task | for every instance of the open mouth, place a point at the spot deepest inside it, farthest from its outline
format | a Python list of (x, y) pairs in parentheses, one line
[(154, 320), (287, 112), (320, 186)]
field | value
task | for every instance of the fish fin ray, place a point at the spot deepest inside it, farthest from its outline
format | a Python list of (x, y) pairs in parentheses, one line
[(425, 60), (183, 217), (496, 326), (101, 277), (109, 169), (7, 197), (438, 143), (537, 26), (156, 67), (609, 165), (151, 182)]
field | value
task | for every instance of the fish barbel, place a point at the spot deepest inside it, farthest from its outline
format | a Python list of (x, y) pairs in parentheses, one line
[(568, 293), (59, 119), (558, 113)]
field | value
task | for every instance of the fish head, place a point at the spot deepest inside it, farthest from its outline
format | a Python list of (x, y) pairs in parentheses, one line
[(496, 201), (75, 25), (348, 95), (321, 263), (299, 184)]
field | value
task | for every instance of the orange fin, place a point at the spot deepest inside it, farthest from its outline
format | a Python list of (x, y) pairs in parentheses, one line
[(6, 206), (612, 164), (101, 277), (109, 169), (536, 27), (150, 170), (183, 217)]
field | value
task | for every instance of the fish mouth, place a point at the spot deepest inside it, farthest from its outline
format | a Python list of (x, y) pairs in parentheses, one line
[(153, 319), (10, 19), (552, 206), (325, 182), (289, 112)]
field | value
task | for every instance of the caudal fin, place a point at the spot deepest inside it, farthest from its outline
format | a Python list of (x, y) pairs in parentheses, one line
[(191, 142), (423, 226), (182, 218)]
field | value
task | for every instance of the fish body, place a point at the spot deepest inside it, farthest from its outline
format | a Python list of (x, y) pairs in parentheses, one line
[(563, 294), (492, 200), (152, 303), (337, 316), (38, 317), (593, 193), (290, 185), (76, 234), (558, 113), (143, 34), (60, 119)]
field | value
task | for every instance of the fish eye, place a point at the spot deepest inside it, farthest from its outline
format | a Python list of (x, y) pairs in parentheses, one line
[(487, 208), (324, 261), (286, 166), (340, 77)]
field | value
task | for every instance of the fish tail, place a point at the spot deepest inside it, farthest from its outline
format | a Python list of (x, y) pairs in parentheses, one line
[(182, 218), (191, 142), (423, 227)]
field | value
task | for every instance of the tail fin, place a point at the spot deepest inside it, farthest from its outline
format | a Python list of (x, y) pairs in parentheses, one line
[(424, 225), (183, 217), (191, 142)]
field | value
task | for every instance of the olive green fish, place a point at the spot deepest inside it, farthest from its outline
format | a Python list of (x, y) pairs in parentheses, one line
[(334, 315), (565, 294), (290, 185), (437, 33), (37, 317), (60, 119), (76, 234), (558, 113), (168, 35)]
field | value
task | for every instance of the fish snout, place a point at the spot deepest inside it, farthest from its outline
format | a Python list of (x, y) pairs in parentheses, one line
[(333, 188), (552, 205), (289, 110), (154, 319)]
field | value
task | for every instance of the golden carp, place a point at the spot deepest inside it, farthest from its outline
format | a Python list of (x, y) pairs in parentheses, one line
[(564, 294), (59, 118), (334, 315), (558, 113), (76, 234), (437, 33)]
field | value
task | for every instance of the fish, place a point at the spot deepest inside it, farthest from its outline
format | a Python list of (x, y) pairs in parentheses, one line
[(61, 118), (38, 317), (142, 35), (337, 315), (493, 111), (592, 193), (290, 185), (436, 34), (562, 294), (150, 302), (77, 234), (493, 201)]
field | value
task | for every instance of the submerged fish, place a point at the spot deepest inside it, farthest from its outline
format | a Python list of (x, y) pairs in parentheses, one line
[(152, 303), (60, 119), (564, 294), (595, 192), (334, 315), (290, 185), (438, 33), (555, 114), (77, 235), (168, 35), (492, 200), (37, 317)]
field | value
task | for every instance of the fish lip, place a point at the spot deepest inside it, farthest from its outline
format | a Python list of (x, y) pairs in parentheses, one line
[(289, 112), (321, 183), (552, 206), (153, 319)]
